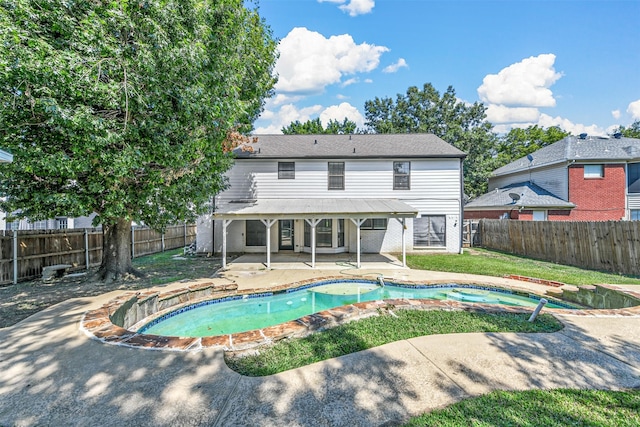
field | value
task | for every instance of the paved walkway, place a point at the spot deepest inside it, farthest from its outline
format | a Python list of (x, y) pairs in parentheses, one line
[(53, 374)]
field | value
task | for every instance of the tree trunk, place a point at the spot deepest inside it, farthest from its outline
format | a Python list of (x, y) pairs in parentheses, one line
[(116, 251)]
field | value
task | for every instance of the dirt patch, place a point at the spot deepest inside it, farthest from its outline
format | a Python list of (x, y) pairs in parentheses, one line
[(17, 302)]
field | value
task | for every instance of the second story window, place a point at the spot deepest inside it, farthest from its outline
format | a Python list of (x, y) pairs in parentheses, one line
[(401, 175), (593, 171), (633, 178), (286, 170), (336, 175)]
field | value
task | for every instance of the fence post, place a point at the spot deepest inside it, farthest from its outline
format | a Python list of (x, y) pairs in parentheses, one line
[(162, 240), (185, 234), (15, 257), (133, 241), (86, 247)]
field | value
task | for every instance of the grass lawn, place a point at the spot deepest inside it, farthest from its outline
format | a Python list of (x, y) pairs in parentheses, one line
[(375, 331), (492, 263), (540, 408)]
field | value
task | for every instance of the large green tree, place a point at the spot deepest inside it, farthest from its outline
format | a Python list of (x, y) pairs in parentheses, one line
[(461, 124), (123, 108), (519, 142), (315, 127)]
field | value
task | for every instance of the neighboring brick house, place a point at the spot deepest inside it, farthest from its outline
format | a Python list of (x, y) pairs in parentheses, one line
[(339, 193), (575, 179)]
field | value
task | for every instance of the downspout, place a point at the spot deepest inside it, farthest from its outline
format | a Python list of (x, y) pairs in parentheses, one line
[(461, 222)]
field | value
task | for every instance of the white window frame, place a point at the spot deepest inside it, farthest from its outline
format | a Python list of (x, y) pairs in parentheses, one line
[(335, 175), (594, 171), (436, 238), (537, 217), (284, 172), (397, 175)]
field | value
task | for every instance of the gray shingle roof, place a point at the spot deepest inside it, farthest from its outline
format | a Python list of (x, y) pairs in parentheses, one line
[(573, 148), (530, 196), (321, 208), (349, 146)]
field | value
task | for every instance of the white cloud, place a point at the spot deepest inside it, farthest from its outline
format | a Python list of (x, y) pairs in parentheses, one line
[(501, 114), (280, 99), (395, 67), (575, 128), (349, 82), (616, 114), (309, 61), (368, 81), (353, 7), (611, 129), (523, 84), (339, 112), (634, 110), (341, 96), (277, 118), (284, 116)]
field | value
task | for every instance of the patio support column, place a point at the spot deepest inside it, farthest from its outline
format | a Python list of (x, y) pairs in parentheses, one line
[(268, 223), (225, 223), (404, 242), (358, 222), (403, 224), (313, 222)]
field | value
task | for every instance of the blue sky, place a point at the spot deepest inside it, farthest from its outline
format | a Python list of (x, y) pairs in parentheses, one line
[(570, 63)]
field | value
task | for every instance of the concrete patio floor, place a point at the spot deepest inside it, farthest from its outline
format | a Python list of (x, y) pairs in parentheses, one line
[(52, 374)]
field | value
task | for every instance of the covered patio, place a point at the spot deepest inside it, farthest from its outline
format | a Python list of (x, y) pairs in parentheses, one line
[(301, 261), (312, 211)]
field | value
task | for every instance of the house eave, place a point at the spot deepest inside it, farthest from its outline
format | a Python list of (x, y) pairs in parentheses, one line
[(315, 208)]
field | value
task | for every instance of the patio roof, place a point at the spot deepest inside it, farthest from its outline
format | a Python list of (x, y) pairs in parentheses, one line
[(315, 208)]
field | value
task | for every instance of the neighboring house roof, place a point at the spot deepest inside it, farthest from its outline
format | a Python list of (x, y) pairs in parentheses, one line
[(325, 208), (591, 148), (5, 157), (528, 196), (348, 146)]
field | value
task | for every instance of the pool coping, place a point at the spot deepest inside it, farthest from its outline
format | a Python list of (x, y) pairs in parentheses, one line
[(147, 305)]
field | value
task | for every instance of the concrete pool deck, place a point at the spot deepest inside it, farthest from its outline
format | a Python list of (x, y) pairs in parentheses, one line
[(51, 373)]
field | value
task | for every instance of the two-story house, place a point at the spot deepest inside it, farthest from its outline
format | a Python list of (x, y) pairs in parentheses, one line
[(330, 194), (580, 178)]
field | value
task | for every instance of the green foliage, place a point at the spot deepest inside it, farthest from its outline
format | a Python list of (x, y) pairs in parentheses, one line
[(492, 263), (520, 142), (460, 124), (376, 331), (315, 127), (632, 131), (595, 408), (122, 108)]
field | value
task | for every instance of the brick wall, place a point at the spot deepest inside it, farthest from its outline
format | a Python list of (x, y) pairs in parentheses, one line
[(489, 214), (597, 199)]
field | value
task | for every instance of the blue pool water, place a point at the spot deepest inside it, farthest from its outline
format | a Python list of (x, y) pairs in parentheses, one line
[(244, 313)]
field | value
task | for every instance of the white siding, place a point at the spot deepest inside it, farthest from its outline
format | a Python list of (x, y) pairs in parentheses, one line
[(554, 179), (434, 182), (204, 233), (633, 201), (434, 190)]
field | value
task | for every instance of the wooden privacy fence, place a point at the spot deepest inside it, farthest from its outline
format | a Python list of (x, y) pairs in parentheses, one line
[(607, 245), (23, 254)]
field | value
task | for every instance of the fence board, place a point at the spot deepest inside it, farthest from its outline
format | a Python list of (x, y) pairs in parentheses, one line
[(40, 248), (611, 245)]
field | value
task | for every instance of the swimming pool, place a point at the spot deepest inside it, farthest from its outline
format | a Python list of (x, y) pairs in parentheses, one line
[(249, 312)]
